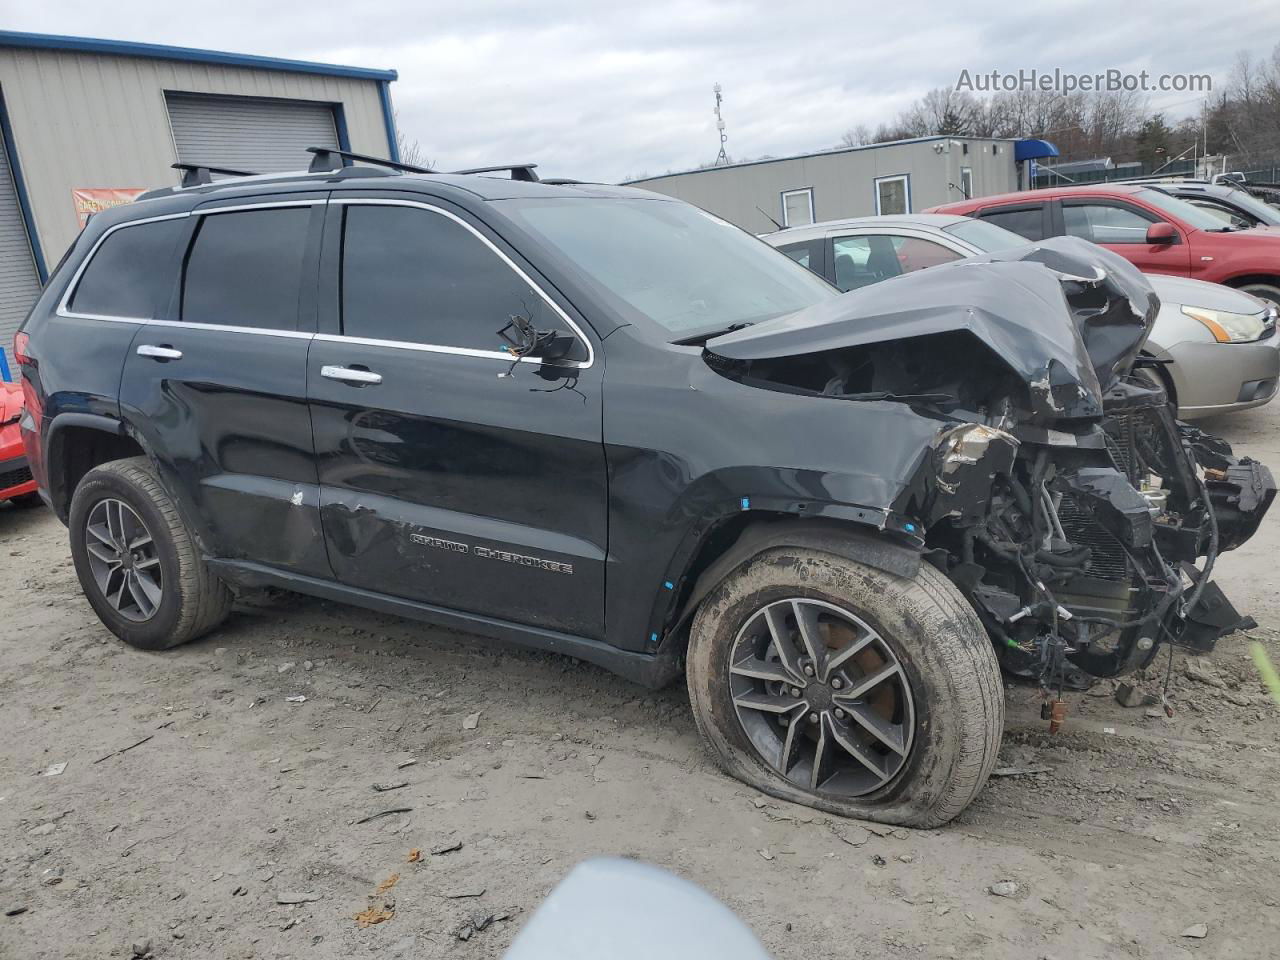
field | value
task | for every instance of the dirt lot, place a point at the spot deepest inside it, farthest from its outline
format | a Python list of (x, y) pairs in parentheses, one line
[(196, 796)]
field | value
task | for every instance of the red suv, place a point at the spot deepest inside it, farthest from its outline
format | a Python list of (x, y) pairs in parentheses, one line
[(1152, 230)]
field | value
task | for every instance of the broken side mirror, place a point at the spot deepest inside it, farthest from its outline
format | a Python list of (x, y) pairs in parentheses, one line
[(523, 339), (1161, 232)]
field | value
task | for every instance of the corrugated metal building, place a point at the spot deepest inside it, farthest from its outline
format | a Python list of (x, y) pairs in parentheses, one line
[(91, 122), (904, 176)]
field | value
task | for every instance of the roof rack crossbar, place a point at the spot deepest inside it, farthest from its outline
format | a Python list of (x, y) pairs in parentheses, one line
[(199, 174), (330, 159), (519, 171)]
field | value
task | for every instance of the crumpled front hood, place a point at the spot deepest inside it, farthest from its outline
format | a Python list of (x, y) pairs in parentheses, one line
[(1066, 316)]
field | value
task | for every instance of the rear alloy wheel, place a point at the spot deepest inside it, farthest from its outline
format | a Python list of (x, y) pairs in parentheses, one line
[(823, 681), (822, 697), (124, 560), (137, 563)]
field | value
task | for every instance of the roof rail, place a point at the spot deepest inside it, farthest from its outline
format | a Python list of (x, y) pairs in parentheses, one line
[(519, 171), (330, 159), (199, 174)]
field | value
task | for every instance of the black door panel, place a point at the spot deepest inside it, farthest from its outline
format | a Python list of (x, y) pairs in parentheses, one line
[(447, 484), (444, 479), (217, 389)]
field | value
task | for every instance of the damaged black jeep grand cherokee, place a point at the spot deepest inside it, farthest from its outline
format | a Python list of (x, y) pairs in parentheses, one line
[(601, 422)]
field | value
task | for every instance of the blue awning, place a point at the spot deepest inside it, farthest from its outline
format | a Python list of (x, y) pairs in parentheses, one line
[(1033, 150)]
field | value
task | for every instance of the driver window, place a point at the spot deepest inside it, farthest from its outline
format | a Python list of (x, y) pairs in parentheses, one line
[(1104, 223), (416, 276)]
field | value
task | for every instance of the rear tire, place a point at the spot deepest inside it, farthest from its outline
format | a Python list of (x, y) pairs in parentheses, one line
[(137, 562), (954, 693)]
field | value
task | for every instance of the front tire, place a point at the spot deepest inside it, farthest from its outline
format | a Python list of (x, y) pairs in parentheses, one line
[(1263, 291), (137, 563), (829, 683)]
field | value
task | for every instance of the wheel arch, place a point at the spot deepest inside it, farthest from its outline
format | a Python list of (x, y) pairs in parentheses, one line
[(76, 443), (727, 546), (1244, 279)]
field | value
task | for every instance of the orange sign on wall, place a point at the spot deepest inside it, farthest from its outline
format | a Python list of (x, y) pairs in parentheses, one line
[(91, 200)]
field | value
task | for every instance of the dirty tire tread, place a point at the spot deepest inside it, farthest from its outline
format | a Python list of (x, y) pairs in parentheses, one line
[(205, 600), (970, 686)]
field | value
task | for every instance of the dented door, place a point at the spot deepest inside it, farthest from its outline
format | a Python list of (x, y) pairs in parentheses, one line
[(449, 474)]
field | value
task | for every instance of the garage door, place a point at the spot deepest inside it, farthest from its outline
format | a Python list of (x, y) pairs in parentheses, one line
[(19, 282), (249, 133)]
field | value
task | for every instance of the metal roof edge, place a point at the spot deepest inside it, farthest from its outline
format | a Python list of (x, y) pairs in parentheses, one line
[(157, 51), (818, 153)]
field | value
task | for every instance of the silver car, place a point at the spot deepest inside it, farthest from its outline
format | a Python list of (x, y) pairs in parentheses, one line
[(1219, 346)]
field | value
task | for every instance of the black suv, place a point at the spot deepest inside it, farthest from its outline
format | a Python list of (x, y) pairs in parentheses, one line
[(601, 422)]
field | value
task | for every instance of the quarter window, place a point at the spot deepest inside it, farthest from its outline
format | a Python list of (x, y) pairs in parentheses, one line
[(801, 253), (416, 276), (1024, 221), (245, 269), (130, 273)]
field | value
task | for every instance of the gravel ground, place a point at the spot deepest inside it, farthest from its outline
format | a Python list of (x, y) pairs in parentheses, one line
[(198, 799)]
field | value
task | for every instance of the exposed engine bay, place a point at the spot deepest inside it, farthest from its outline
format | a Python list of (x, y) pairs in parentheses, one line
[(1080, 519)]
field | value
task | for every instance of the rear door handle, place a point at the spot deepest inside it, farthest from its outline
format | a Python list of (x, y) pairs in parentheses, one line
[(351, 375), (159, 353)]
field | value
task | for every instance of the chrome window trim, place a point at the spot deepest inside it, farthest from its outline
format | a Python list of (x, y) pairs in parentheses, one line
[(232, 328), (240, 208), (463, 351), (63, 310)]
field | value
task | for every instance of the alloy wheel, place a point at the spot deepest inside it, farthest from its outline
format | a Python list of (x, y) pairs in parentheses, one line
[(822, 697), (124, 560)]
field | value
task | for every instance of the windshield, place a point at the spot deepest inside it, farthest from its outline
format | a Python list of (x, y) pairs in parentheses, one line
[(684, 269), (987, 237), (1188, 213)]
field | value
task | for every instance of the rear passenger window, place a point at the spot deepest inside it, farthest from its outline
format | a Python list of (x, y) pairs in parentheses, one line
[(420, 277), (1024, 221), (130, 273), (245, 269)]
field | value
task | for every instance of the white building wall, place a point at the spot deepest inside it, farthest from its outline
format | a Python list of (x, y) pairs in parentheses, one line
[(843, 182)]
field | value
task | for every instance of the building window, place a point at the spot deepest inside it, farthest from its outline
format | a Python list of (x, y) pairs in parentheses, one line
[(797, 207), (893, 194), (966, 182)]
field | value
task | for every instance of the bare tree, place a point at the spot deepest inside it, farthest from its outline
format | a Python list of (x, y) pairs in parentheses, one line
[(858, 136), (411, 151)]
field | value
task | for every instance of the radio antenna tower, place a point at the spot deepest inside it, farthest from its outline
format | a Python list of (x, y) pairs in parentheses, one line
[(721, 157)]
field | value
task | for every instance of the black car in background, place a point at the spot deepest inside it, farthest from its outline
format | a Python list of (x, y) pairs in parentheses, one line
[(601, 422)]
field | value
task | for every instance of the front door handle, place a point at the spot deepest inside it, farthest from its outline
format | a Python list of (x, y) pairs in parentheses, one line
[(351, 375), (159, 353)]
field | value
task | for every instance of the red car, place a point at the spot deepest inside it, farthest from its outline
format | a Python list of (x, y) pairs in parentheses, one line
[(16, 483), (1154, 231)]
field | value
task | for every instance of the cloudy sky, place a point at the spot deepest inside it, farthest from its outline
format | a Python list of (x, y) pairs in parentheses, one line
[(602, 91)]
